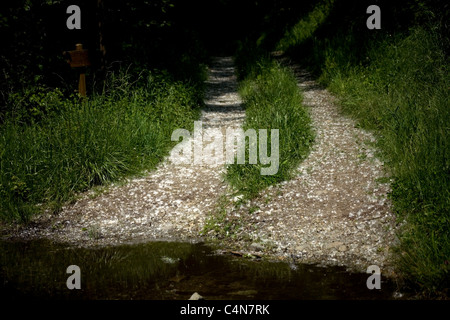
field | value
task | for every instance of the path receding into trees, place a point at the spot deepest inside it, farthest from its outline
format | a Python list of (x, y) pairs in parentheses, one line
[(334, 211), (171, 202)]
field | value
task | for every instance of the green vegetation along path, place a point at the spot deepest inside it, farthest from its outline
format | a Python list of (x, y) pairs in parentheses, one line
[(334, 211)]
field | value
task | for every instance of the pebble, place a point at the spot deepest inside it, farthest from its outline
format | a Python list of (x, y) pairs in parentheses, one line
[(196, 296)]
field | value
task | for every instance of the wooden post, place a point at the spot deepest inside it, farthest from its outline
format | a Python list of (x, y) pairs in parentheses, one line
[(82, 85), (79, 59), (82, 81)]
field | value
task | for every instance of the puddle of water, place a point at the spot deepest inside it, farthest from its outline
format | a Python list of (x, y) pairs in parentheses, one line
[(168, 271)]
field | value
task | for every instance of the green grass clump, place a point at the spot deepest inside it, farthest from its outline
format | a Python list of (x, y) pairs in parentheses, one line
[(272, 101), (88, 142)]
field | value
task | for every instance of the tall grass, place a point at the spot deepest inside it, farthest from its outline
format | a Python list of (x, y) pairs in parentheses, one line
[(272, 100), (104, 138)]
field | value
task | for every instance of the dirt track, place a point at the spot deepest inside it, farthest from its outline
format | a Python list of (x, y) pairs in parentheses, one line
[(333, 212)]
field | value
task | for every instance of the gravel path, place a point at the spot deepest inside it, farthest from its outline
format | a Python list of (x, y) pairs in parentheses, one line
[(170, 203), (335, 210), (332, 212)]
